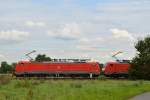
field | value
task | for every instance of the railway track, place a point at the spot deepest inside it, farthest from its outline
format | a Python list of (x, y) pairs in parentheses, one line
[(54, 78), (66, 78)]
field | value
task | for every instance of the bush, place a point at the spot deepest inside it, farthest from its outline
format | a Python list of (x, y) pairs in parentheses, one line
[(5, 67)]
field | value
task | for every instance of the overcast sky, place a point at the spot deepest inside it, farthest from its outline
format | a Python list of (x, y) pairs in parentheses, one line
[(72, 28)]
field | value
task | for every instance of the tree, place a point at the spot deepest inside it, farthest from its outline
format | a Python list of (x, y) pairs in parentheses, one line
[(140, 65), (5, 67), (13, 65), (42, 57)]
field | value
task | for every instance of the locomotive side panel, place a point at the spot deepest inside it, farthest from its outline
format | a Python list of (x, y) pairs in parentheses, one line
[(117, 69), (55, 69)]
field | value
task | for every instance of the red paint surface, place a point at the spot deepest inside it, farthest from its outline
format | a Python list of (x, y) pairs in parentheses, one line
[(115, 67), (87, 67)]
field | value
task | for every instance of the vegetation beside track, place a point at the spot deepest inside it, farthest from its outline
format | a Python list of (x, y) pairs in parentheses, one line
[(25, 89)]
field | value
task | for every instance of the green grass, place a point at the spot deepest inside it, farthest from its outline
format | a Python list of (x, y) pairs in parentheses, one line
[(71, 89)]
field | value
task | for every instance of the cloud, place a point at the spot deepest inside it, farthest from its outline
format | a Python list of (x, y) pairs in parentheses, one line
[(88, 41), (89, 44), (35, 24), (1, 56), (84, 41), (117, 33), (13, 35), (67, 31), (86, 48)]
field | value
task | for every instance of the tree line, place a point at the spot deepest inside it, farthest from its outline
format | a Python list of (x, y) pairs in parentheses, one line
[(6, 68)]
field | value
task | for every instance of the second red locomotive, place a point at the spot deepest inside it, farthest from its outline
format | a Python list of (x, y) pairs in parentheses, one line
[(117, 69)]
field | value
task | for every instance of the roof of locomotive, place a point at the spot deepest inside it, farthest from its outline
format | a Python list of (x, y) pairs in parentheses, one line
[(26, 62), (120, 62), (117, 63)]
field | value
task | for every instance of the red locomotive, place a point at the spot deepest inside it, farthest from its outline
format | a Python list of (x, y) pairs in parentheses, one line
[(117, 69), (57, 69)]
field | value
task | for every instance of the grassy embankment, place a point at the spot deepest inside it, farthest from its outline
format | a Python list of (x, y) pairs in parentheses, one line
[(70, 89)]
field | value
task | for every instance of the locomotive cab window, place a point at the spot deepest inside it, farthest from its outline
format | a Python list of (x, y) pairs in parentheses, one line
[(21, 64)]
